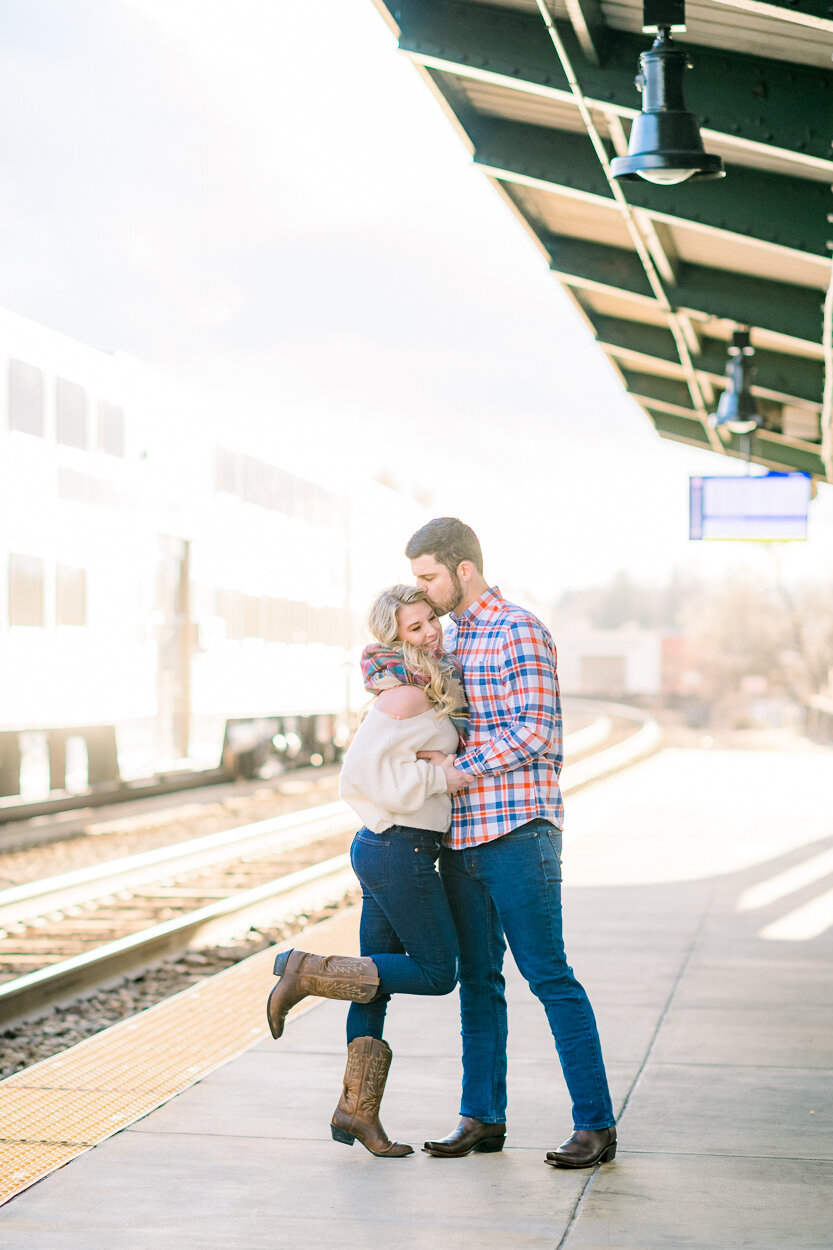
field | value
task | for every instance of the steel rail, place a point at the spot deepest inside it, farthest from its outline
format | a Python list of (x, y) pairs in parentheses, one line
[(15, 809), (36, 990), (588, 738), (636, 746), (83, 885)]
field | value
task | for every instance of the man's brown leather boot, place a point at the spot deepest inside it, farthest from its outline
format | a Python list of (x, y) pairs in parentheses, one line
[(585, 1148), (469, 1135)]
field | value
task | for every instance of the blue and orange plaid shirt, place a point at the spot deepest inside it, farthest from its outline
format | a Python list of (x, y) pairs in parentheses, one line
[(514, 743)]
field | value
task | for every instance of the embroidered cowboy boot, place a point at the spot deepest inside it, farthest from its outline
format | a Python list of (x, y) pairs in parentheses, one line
[(329, 976), (357, 1113)]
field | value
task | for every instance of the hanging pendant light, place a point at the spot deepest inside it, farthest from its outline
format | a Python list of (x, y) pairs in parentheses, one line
[(665, 145), (737, 410)]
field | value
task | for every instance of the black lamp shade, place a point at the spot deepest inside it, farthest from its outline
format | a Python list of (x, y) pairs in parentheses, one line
[(665, 144)]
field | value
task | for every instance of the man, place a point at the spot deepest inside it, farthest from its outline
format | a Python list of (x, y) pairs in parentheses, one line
[(501, 866)]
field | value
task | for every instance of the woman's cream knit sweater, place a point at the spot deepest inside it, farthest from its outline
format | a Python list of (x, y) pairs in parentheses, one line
[(386, 784)]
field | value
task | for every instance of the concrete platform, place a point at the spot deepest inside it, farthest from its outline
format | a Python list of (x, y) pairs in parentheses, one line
[(718, 1039)]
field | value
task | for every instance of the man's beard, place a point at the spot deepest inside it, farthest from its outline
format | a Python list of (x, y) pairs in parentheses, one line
[(454, 597)]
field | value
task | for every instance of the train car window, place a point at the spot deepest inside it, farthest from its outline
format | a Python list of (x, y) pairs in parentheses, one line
[(336, 627), (25, 590), (303, 508), (274, 489), (230, 608), (25, 398), (273, 620), (251, 617), (249, 491), (110, 428), (264, 484), (252, 481), (84, 488), (281, 499), (300, 617), (71, 601), (285, 618), (71, 412), (226, 471)]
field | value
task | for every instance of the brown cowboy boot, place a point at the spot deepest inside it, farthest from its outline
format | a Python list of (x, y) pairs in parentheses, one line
[(329, 976), (357, 1113)]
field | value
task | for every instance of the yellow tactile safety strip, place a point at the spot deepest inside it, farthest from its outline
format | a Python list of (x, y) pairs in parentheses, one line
[(59, 1108)]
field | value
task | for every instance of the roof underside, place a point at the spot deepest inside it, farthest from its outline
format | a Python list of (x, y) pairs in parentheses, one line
[(663, 275)]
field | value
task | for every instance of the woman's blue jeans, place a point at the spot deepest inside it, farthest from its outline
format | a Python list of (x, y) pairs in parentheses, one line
[(509, 890), (406, 926)]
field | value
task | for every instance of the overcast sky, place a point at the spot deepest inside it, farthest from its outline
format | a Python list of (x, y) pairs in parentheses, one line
[(263, 201)]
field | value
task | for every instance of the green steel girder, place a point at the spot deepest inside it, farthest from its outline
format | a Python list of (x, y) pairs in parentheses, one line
[(580, 261), (748, 97), (785, 455), (771, 208), (650, 386), (793, 376), (747, 300), (686, 429), (772, 452)]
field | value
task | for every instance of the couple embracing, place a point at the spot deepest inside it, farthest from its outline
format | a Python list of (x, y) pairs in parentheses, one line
[(456, 764)]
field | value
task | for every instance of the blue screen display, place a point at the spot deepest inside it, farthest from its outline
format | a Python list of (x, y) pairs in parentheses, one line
[(767, 508)]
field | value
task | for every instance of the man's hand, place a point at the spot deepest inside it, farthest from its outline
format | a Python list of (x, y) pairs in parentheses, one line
[(433, 757), (455, 779)]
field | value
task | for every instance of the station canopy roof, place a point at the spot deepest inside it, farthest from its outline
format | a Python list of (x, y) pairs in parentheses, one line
[(662, 274)]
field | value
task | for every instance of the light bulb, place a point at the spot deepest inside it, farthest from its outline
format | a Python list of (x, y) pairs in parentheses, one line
[(665, 177)]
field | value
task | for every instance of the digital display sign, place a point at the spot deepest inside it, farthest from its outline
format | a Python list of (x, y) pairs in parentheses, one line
[(767, 508)]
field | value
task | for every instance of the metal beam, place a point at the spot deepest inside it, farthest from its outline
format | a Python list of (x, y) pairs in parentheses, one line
[(651, 387), (793, 377), (681, 429), (792, 311), (812, 14), (590, 28), (770, 208), (765, 449), (749, 99)]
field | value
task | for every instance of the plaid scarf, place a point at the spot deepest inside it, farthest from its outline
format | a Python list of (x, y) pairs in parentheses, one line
[(385, 667)]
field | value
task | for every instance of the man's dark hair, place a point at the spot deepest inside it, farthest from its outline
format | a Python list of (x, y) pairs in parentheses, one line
[(449, 541)]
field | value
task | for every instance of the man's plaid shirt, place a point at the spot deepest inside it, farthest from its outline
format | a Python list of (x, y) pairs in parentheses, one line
[(514, 746)]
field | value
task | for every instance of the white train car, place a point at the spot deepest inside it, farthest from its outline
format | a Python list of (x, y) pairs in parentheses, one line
[(166, 600)]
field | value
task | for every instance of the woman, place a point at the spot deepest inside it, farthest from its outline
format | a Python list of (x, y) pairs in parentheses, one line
[(405, 804)]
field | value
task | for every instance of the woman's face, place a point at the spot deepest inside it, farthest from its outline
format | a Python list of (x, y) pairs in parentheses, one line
[(418, 625)]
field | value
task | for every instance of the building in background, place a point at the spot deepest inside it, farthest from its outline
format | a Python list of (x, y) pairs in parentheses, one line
[(624, 663)]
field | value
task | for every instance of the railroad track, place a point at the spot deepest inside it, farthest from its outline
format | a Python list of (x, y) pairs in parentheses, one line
[(38, 829), (66, 935)]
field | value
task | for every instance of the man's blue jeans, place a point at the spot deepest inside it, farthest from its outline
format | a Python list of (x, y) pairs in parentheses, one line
[(406, 925), (509, 890)]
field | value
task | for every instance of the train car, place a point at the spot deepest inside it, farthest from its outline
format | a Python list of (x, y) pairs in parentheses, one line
[(168, 599)]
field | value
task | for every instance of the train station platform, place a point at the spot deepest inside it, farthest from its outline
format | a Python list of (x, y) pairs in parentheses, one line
[(698, 913)]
